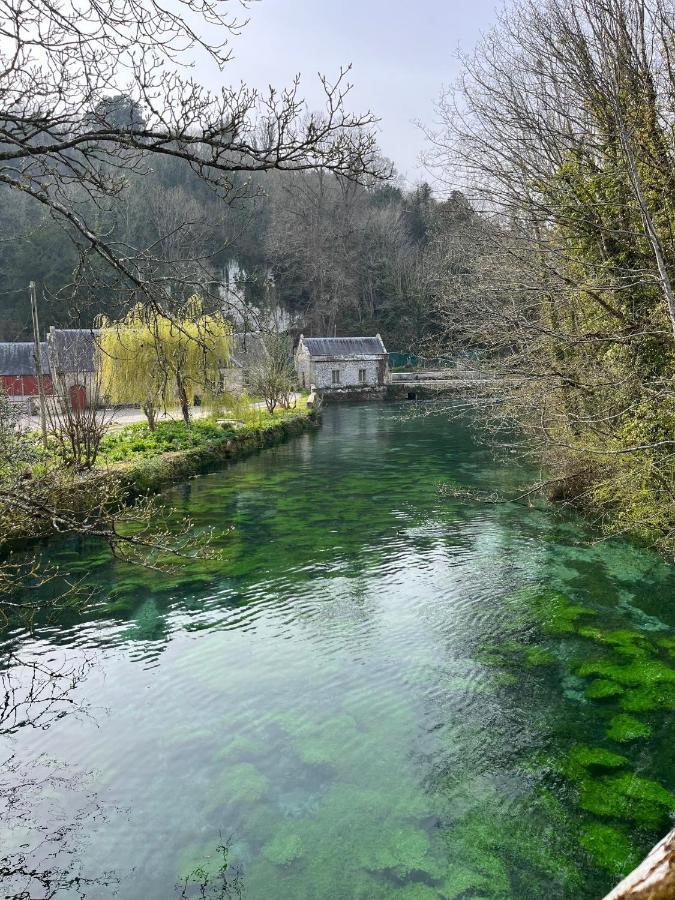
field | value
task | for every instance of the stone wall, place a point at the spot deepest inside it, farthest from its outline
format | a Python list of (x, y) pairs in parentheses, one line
[(303, 368), (322, 373)]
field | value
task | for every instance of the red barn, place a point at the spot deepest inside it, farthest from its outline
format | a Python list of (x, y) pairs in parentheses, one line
[(17, 369)]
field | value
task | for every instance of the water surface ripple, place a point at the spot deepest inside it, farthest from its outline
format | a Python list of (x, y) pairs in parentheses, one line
[(380, 691)]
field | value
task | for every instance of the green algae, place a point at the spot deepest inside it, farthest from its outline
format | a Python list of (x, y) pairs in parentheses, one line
[(627, 796), (583, 757), (624, 728), (668, 644), (609, 793), (603, 688), (460, 881), (197, 862), (643, 672), (237, 747), (559, 615), (622, 641), (610, 848), (648, 698), (324, 745), (242, 783), (404, 849), (284, 848), (515, 654)]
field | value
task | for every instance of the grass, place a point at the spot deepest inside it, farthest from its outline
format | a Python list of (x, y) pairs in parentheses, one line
[(138, 442), (134, 461)]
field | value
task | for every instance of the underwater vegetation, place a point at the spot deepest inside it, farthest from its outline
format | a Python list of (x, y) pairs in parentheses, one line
[(621, 673), (624, 727), (609, 846), (377, 693)]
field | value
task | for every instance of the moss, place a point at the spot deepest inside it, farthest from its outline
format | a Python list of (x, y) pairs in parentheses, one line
[(602, 689), (283, 849), (609, 847), (624, 728)]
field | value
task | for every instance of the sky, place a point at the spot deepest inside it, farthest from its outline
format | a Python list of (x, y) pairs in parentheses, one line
[(401, 52)]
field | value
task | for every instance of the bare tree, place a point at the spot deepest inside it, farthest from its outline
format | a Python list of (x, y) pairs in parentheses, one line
[(84, 108), (561, 129)]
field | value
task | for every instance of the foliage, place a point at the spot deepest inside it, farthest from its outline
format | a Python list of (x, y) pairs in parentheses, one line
[(155, 359), (569, 292), (139, 441), (272, 376)]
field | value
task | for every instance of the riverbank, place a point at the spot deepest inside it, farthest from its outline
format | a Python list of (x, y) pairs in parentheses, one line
[(115, 482), (329, 674), (149, 474)]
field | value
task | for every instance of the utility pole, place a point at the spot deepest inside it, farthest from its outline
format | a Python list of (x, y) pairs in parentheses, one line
[(38, 362)]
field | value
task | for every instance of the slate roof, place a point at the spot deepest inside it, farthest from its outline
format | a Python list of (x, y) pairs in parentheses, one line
[(72, 349), (16, 358), (345, 346)]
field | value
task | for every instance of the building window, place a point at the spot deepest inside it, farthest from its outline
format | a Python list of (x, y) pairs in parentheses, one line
[(336, 376), (362, 376)]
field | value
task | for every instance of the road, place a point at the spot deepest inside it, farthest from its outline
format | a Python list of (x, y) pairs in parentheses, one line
[(128, 415)]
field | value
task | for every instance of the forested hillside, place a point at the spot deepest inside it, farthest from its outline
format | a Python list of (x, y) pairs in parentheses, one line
[(336, 255)]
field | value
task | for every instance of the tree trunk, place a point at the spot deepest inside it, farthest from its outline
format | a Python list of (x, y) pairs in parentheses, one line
[(183, 399), (648, 221), (151, 414)]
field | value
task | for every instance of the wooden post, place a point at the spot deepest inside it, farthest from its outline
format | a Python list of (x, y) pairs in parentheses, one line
[(38, 362), (654, 879)]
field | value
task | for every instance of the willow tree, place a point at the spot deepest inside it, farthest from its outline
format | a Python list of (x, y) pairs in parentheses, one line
[(156, 360)]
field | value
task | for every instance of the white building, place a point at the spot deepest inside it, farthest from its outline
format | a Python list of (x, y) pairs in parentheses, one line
[(342, 363)]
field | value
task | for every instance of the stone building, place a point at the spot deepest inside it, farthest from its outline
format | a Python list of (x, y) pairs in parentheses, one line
[(342, 364)]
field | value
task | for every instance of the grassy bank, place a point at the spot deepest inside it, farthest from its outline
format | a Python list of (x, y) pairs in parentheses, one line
[(134, 462), (146, 462)]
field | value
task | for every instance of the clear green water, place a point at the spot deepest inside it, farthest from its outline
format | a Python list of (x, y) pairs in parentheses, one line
[(380, 692)]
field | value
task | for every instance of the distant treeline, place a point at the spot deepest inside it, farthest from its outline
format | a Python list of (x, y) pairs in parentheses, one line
[(334, 255)]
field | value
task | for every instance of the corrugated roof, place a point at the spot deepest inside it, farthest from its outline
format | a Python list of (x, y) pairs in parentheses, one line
[(16, 358), (344, 346), (73, 349)]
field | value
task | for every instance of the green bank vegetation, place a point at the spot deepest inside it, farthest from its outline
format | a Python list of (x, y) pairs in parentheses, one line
[(566, 136), (40, 495)]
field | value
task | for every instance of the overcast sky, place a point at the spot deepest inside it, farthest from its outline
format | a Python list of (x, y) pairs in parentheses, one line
[(401, 53)]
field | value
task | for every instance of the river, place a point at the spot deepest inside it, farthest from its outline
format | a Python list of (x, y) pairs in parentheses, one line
[(381, 690)]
